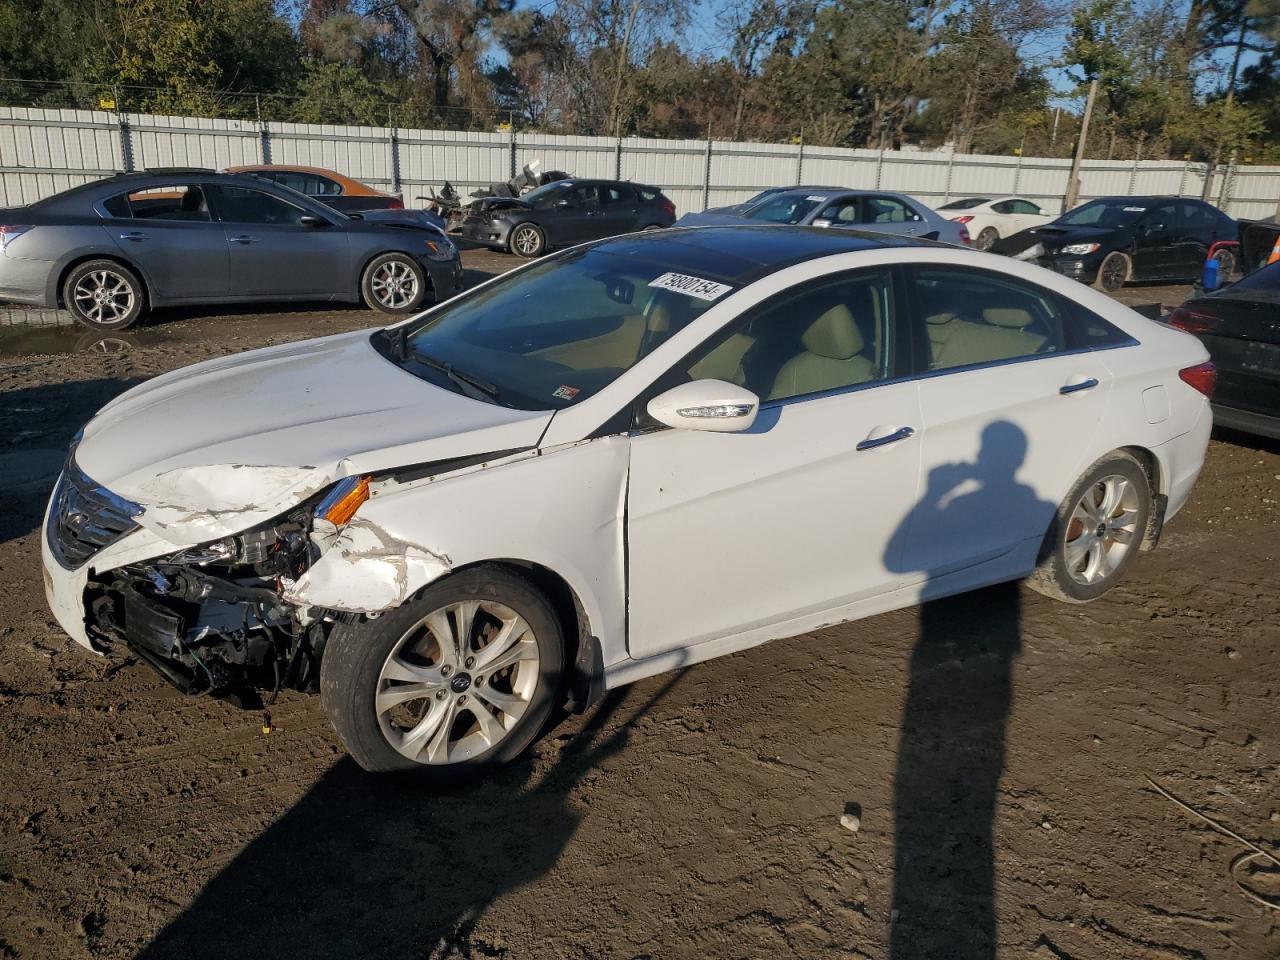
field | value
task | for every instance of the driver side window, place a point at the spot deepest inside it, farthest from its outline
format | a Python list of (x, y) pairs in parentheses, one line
[(242, 205), (972, 317), (831, 335)]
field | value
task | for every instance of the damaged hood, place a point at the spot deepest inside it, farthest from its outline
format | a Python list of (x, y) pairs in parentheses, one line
[(220, 446)]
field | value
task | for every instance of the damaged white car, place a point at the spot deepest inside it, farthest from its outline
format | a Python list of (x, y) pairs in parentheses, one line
[(628, 457)]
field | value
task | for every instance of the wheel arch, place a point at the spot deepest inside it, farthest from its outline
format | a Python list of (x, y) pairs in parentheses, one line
[(58, 277), (1157, 477)]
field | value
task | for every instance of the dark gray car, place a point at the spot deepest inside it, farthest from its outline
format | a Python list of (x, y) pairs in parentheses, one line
[(108, 250)]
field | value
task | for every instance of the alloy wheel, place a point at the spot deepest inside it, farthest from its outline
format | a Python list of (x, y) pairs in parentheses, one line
[(1102, 530), (457, 682), (394, 285), (103, 296), (526, 241), (1114, 272)]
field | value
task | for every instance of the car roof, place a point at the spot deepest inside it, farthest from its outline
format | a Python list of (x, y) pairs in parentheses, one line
[(70, 200), (742, 254), (350, 185)]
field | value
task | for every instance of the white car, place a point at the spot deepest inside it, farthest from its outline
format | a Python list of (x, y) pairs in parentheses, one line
[(616, 461), (989, 219)]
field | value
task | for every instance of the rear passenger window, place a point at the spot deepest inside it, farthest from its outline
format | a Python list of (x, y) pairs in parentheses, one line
[(887, 210), (1088, 331), (830, 336), (173, 202), (972, 317), (618, 194)]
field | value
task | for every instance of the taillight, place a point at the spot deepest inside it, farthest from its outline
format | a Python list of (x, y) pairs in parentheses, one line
[(961, 219), (10, 232), (1202, 376), (964, 234), (395, 204), (668, 206), (1192, 322)]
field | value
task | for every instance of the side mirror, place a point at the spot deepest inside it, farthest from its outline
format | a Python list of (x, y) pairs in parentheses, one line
[(563, 204), (1154, 228), (311, 220), (822, 223), (712, 405)]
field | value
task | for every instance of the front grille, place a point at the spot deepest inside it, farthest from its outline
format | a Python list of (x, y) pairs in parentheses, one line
[(85, 517)]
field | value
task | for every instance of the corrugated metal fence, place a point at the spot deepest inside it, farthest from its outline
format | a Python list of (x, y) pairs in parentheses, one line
[(44, 151)]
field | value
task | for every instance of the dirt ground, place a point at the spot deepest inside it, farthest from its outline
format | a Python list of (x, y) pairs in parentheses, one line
[(994, 746)]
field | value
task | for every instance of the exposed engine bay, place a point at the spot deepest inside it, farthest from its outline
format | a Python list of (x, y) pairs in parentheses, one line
[(212, 618)]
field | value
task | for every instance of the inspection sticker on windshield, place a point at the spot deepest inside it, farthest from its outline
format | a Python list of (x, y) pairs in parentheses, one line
[(1135, 209), (565, 393), (691, 286)]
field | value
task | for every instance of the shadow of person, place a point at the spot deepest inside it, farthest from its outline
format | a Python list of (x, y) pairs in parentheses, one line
[(951, 748), (366, 866)]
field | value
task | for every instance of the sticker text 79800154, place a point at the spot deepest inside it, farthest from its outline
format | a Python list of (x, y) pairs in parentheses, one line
[(691, 286)]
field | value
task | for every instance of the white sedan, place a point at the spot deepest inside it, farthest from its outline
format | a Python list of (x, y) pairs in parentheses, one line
[(619, 460), (989, 219)]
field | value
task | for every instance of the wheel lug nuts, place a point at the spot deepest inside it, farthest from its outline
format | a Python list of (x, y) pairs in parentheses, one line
[(471, 662), (479, 680), (462, 698), (440, 694), (446, 670)]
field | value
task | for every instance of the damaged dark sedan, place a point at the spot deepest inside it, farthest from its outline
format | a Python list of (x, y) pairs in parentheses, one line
[(565, 213)]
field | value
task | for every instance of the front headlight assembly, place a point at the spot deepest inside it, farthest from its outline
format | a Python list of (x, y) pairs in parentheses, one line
[(1078, 249)]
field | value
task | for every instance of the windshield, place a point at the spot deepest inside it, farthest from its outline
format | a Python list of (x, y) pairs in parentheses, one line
[(553, 334), (1104, 213), (968, 203), (784, 208), (546, 190)]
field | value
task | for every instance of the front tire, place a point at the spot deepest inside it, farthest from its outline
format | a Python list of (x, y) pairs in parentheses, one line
[(1114, 272), (527, 241), (103, 295), (1096, 532), (454, 682), (393, 283)]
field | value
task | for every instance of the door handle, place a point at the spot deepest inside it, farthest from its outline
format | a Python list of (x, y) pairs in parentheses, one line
[(134, 235), (900, 434), (243, 238), (1075, 386)]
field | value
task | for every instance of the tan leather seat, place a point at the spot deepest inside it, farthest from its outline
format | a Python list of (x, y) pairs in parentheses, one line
[(725, 361), (833, 358), (1001, 336)]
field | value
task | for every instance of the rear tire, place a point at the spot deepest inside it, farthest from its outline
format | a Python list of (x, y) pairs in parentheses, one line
[(1114, 272), (403, 700), (986, 238), (1226, 264), (394, 283), (1097, 531), (103, 295)]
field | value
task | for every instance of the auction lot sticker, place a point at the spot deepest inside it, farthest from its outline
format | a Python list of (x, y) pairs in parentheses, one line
[(691, 286)]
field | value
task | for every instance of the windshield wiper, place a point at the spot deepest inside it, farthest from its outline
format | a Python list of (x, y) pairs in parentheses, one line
[(466, 383)]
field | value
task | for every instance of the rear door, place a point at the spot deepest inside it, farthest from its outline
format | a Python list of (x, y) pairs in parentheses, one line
[(890, 215), (272, 254), (169, 231)]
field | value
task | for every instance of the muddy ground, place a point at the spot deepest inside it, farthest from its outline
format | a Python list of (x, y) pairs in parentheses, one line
[(995, 747)]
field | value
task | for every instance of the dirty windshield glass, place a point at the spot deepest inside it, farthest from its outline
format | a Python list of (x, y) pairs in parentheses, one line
[(784, 208), (555, 333)]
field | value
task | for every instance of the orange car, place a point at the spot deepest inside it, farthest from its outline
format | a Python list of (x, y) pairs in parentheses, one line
[(341, 193)]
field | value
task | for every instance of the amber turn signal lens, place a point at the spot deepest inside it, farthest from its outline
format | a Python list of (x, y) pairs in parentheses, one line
[(344, 500)]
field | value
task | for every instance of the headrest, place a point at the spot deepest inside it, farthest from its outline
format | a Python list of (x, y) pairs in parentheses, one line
[(939, 318), (660, 318), (834, 334), (1014, 317)]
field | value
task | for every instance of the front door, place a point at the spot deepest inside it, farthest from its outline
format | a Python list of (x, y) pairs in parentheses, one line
[(797, 515), (1012, 400), (1157, 250), (578, 217), (272, 253)]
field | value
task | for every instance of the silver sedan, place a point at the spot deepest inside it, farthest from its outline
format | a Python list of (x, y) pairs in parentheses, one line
[(875, 210)]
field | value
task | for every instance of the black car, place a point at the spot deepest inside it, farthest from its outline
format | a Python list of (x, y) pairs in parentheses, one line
[(565, 213), (1240, 326), (1113, 240)]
